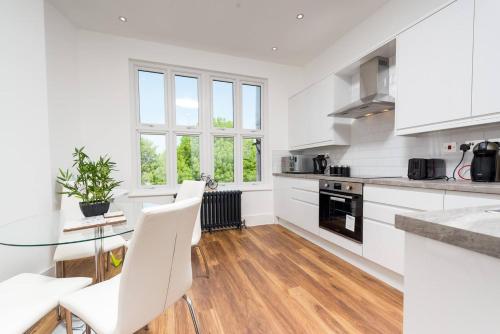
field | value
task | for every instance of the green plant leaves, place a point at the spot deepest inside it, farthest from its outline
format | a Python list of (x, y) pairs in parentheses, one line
[(92, 182)]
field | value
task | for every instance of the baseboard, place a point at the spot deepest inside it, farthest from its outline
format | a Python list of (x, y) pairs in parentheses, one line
[(256, 220), (389, 277)]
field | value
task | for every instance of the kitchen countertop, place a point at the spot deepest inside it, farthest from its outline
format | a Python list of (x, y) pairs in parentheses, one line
[(460, 185), (474, 229)]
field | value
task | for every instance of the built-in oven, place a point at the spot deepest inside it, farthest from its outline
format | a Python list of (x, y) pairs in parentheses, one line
[(341, 208)]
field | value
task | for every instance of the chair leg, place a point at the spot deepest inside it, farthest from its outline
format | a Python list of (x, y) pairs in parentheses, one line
[(69, 322), (60, 269), (106, 264), (87, 329), (202, 253), (193, 314)]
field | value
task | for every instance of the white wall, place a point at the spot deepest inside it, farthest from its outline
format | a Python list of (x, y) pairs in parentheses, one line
[(24, 139), (62, 91), (100, 111)]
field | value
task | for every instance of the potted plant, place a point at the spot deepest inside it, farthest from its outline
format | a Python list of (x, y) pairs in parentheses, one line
[(92, 184)]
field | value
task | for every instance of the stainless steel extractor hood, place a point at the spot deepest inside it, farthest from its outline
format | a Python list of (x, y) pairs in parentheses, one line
[(374, 91)]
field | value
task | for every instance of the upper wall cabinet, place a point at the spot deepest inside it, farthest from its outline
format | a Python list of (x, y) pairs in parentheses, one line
[(485, 99), (447, 69), (434, 70), (308, 121)]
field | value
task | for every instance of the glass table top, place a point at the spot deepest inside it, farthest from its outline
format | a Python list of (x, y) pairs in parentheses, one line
[(47, 229)]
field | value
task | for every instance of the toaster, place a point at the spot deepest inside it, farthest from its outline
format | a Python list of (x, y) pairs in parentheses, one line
[(417, 169), (426, 169)]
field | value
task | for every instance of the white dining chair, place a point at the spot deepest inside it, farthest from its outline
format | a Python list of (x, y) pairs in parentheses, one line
[(79, 250), (194, 189), (27, 298), (156, 273)]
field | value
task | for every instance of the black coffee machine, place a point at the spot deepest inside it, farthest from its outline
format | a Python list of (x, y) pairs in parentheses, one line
[(320, 164), (485, 166)]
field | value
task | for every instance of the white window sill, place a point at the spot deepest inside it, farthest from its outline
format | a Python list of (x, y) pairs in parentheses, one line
[(170, 192)]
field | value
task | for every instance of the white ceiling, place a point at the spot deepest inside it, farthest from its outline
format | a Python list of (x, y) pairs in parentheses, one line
[(247, 28)]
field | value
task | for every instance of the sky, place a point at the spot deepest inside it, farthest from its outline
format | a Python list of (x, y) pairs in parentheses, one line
[(152, 100)]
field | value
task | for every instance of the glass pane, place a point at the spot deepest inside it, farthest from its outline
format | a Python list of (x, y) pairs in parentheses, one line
[(252, 164), (223, 104), (153, 169), (186, 101), (251, 104), (151, 98), (224, 159), (188, 158)]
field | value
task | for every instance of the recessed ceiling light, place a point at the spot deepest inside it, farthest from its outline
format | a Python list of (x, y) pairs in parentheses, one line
[(300, 16), (122, 18), (369, 114), (274, 48), (386, 110)]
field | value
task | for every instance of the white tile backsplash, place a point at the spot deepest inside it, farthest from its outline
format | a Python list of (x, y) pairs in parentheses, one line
[(375, 150)]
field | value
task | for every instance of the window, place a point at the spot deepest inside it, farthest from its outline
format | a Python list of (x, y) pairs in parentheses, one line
[(153, 159), (252, 164), (224, 159), (251, 107), (188, 158), (223, 104), (186, 101), (151, 98), (193, 121)]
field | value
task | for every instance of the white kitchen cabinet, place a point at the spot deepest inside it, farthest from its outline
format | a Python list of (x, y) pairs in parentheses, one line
[(281, 193), (309, 124), (486, 67), (296, 201), (384, 244), (404, 197), (434, 70), (459, 200)]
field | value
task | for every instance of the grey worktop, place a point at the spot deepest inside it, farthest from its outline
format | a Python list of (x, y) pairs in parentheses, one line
[(476, 229), (461, 185)]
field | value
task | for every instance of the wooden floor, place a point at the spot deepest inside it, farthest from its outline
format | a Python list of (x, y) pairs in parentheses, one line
[(267, 279)]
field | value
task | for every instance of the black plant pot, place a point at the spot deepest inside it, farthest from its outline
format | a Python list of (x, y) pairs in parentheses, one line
[(91, 209)]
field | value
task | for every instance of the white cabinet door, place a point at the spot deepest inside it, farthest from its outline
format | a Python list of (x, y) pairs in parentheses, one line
[(459, 200), (486, 58), (305, 215), (384, 244), (281, 193), (434, 68), (309, 124), (297, 129)]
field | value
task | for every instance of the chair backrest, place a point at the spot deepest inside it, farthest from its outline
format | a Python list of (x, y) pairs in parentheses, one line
[(157, 268), (70, 207), (192, 189)]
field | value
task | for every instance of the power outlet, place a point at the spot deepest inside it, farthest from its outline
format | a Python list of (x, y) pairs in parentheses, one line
[(449, 147)]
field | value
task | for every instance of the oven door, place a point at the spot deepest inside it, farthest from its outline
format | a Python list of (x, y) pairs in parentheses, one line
[(342, 213)]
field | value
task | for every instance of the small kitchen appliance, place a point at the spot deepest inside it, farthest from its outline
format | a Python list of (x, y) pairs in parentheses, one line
[(485, 166), (320, 164), (417, 169), (301, 164), (426, 169)]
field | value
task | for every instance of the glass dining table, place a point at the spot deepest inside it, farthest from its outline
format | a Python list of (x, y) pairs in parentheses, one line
[(46, 230)]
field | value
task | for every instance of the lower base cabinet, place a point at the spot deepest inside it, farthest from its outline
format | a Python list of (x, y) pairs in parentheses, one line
[(384, 244), (296, 201)]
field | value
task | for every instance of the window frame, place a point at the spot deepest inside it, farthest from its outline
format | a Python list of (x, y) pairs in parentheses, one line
[(205, 129)]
